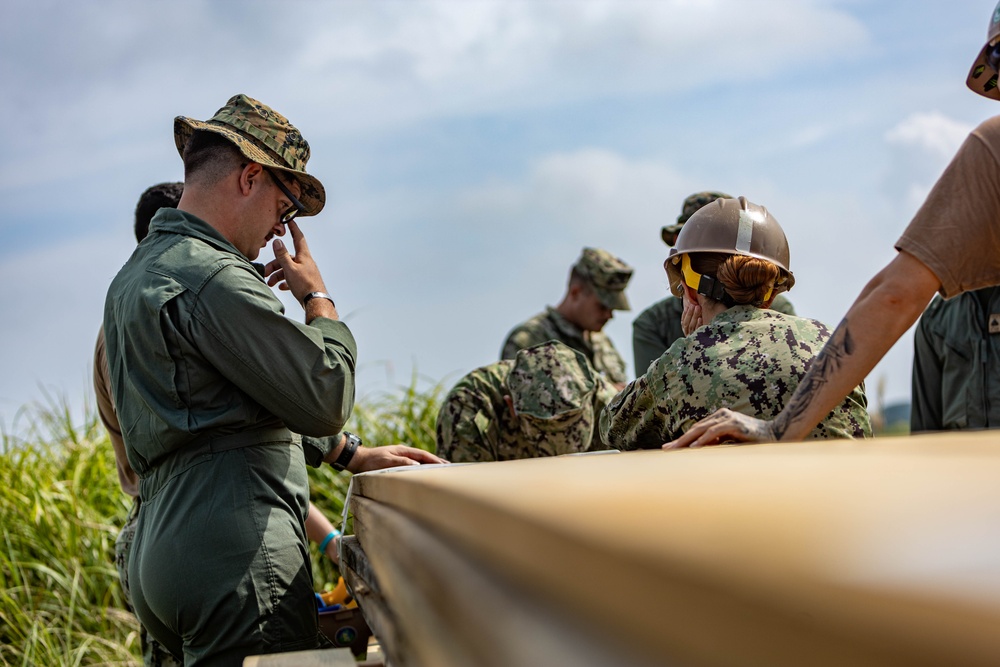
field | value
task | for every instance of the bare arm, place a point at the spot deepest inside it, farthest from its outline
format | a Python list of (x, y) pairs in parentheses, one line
[(318, 527), (888, 306)]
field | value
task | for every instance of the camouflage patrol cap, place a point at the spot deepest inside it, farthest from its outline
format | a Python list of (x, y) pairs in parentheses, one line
[(551, 387), (264, 136), (607, 275), (982, 77), (691, 204)]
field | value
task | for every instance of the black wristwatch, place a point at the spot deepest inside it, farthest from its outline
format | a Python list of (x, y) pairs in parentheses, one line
[(351, 446)]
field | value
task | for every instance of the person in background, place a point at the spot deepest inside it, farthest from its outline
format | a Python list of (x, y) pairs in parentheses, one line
[(951, 246), (162, 195), (657, 327), (730, 262), (596, 288), (543, 402), (956, 363)]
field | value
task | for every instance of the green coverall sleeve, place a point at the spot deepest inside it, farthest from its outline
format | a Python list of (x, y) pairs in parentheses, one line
[(303, 374), (647, 343)]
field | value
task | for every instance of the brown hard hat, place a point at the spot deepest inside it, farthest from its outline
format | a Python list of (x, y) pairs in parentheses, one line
[(735, 227), (982, 77)]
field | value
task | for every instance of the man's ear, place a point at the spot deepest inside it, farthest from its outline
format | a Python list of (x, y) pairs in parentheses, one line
[(250, 177)]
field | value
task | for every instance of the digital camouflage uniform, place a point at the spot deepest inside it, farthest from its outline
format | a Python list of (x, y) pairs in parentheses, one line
[(956, 363), (607, 276), (747, 359), (556, 395), (657, 327)]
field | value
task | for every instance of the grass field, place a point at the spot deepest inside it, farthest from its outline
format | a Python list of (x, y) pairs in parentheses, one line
[(60, 511)]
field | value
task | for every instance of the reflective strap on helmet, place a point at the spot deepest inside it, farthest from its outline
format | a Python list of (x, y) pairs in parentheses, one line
[(744, 234)]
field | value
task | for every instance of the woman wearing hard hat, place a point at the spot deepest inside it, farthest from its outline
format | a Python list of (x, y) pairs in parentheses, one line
[(730, 261)]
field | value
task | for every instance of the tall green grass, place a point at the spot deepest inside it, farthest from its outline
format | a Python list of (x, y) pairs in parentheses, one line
[(407, 415), (61, 508)]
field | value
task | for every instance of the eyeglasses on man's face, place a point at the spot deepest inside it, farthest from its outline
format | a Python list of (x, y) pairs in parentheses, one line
[(296, 206)]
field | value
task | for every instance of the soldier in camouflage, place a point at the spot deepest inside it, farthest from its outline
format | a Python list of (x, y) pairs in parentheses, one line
[(730, 260), (544, 402), (596, 288), (657, 327)]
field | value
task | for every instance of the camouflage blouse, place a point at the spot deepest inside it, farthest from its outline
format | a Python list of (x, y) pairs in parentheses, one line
[(550, 325), (475, 424), (746, 359)]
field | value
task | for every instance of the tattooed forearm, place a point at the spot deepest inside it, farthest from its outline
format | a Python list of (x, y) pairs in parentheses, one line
[(827, 362)]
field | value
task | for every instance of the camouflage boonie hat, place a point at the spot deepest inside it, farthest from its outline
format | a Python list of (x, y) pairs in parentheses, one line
[(982, 77), (607, 274), (691, 205), (264, 136), (551, 387)]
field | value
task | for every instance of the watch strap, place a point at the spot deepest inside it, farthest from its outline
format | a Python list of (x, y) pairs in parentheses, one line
[(350, 447), (317, 295)]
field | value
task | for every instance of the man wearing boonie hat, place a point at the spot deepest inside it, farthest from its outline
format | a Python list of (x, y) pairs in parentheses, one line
[(210, 379), (596, 288), (951, 246), (657, 327), (543, 402)]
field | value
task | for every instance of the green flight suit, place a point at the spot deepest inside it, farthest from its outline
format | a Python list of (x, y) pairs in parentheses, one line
[(956, 363), (209, 377)]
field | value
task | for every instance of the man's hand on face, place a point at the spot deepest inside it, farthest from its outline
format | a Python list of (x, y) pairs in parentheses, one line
[(297, 273), (390, 456)]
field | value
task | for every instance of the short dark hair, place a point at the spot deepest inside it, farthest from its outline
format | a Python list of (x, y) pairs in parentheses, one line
[(161, 195), (577, 278), (209, 157)]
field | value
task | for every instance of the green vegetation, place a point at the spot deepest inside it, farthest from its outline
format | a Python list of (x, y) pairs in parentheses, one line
[(61, 508)]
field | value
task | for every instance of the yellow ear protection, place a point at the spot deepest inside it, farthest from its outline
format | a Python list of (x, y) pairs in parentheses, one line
[(707, 285)]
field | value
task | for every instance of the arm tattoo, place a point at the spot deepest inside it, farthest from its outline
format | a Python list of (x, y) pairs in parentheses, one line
[(827, 362)]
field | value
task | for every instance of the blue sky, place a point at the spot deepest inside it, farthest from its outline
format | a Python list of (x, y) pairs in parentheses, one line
[(471, 149)]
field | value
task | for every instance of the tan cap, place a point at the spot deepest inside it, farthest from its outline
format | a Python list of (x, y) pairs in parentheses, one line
[(982, 77), (735, 227), (607, 275), (264, 136)]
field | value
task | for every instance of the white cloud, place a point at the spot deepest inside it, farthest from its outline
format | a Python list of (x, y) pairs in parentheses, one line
[(121, 73), (930, 132), (921, 146)]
